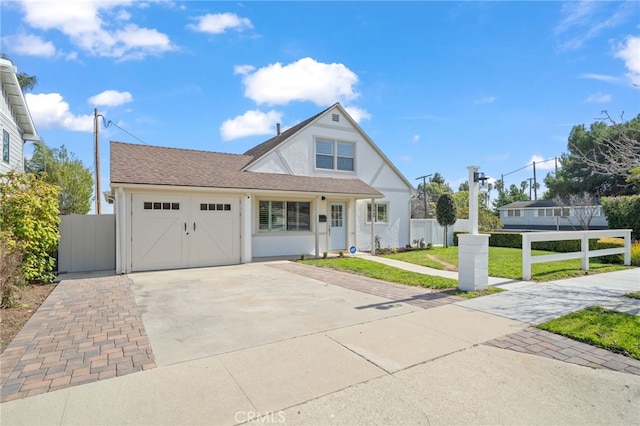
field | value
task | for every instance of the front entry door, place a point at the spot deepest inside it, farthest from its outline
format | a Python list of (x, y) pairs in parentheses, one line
[(337, 226)]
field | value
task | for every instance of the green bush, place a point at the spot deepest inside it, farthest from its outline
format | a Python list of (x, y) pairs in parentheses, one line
[(10, 271), (635, 253), (623, 213), (29, 215), (605, 243)]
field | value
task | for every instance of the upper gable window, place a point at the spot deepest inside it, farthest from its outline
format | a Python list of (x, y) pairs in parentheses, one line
[(334, 155)]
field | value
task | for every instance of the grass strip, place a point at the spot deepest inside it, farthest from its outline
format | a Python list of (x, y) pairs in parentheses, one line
[(608, 329), (379, 271), (507, 263)]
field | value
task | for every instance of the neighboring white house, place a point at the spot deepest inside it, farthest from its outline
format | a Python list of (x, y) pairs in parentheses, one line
[(545, 215), (307, 190), (15, 119)]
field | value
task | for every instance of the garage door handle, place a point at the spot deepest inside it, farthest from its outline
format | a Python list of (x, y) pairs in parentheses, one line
[(185, 227), (194, 227)]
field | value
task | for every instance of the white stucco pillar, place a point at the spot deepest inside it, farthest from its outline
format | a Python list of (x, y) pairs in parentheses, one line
[(121, 216), (245, 232), (473, 248), (373, 228)]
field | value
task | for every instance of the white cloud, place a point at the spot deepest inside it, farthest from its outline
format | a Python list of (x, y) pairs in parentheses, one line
[(485, 100), (88, 27), (251, 123), (542, 163), (599, 98), (415, 138), (29, 44), (304, 80), (586, 19), (49, 110), (599, 77), (358, 114), (111, 98), (629, 52), (218, 23)]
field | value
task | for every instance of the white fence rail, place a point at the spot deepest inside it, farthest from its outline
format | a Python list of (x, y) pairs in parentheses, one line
[(87, 243), (584, 253)]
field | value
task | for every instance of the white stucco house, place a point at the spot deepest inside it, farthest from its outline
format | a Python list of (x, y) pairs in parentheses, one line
[(15, 119), (309, 189), (547, 215)]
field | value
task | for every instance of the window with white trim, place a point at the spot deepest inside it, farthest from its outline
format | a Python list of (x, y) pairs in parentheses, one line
[(334, 155), (381, 213), (5, 146), (278, 216), (514, 212)]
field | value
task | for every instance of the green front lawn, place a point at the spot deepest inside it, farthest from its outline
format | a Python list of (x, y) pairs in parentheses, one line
[(615, 331), (379, 271), (507, 263)]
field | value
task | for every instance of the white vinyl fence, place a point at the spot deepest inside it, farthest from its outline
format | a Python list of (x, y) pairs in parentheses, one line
[(432, 232), (87, 243), (584, 253)]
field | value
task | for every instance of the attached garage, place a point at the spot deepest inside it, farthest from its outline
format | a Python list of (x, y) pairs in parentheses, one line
[(170, 231)]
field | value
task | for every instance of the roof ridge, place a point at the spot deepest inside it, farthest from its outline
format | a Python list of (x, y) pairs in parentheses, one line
[(178, 149)]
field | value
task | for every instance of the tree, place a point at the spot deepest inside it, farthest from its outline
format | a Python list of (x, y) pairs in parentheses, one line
[(436, 187), (511, 196), (59, 167), (584, 207), (623, 213), (602, 161), (446, 214), (619, 148), (487, 220), (464, 186), (29, 219)]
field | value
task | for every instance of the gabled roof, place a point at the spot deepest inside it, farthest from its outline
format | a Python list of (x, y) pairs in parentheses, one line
[(154, 165), (537, 204), (9, 79), (264, 148), (259, 150)]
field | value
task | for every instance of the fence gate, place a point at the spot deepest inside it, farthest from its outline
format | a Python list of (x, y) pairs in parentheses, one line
[(87, 243)]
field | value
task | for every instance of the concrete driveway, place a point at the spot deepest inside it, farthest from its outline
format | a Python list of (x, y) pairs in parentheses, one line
[(258, 344), (195, 313)]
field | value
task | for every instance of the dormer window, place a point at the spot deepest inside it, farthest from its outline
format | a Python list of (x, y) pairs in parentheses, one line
[(335, 155)]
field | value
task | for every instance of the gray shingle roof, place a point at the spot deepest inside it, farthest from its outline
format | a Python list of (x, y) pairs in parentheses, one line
[(154, 165)]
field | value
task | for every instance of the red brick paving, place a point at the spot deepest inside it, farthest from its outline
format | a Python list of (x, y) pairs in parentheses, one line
[(86, 330), (542, 343)]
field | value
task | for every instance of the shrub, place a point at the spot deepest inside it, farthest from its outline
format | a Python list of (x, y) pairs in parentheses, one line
[(605, 243), (324, 254), (623, 213), (635, 253), (340, 254), (29, 215), (303, 256), (10, 271)]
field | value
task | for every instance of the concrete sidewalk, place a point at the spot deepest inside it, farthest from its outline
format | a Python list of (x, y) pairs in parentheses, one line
[(396, 363)]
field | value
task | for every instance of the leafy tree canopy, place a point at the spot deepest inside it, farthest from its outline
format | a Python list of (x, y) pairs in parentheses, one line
[(60, 167), (600, 160), (511, 196)]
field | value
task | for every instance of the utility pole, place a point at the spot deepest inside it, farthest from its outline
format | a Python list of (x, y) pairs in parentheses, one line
[(530, 185), (97, 152), (535, 183), (424, 194)]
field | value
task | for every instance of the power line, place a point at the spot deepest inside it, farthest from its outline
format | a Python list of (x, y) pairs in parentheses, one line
[(111, 123)]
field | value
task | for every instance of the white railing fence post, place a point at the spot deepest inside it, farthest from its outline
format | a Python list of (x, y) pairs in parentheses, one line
[(627, 247), (526, 257), (585, 252)]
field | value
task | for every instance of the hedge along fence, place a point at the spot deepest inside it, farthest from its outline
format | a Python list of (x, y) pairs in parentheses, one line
[(623, 212), (514, 240)]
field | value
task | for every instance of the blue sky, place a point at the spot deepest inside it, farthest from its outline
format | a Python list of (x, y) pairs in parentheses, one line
[(438, 86)]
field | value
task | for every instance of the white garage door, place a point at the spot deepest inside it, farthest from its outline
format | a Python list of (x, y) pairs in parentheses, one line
[(170, 232)]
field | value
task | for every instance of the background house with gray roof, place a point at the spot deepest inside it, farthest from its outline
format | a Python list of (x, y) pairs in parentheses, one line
[(549, 215), (322, 185)]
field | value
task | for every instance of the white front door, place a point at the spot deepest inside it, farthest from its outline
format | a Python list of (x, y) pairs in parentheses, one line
[(337, 226), (171, 232)]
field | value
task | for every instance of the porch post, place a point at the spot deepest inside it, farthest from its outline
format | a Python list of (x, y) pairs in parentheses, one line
[(316, 222), (373, 236)]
